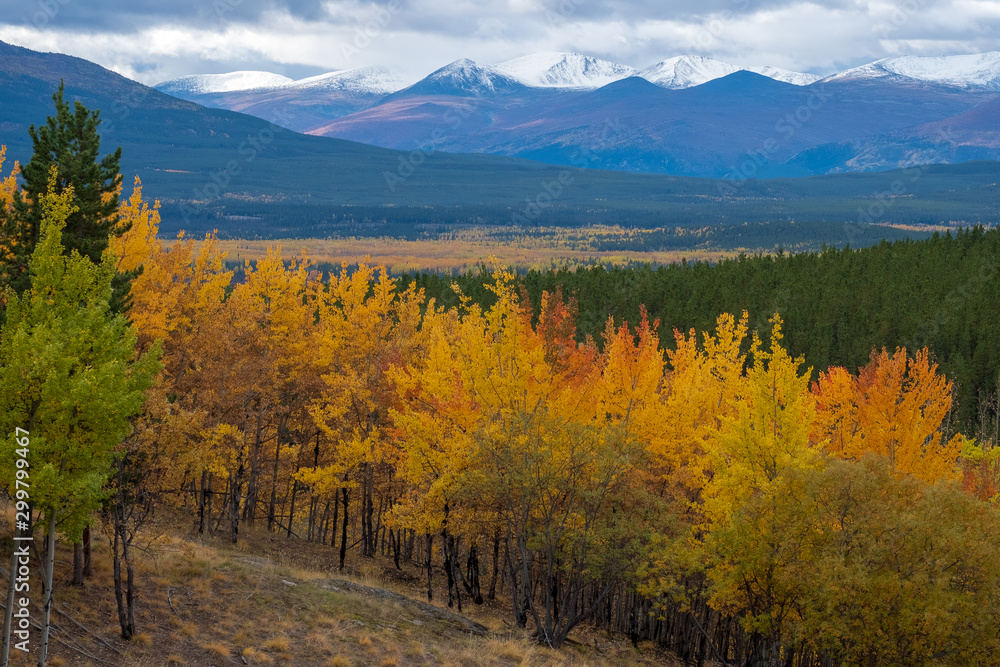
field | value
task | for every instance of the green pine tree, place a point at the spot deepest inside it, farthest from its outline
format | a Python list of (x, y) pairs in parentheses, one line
[(70, 141)]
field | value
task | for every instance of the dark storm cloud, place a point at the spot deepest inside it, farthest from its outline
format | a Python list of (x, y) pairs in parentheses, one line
[(126, 16)]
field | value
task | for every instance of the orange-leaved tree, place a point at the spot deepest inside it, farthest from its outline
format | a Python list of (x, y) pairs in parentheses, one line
[(895, 407), (14, 234)]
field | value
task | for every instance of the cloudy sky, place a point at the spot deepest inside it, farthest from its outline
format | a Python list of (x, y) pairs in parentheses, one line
[(155, 40)]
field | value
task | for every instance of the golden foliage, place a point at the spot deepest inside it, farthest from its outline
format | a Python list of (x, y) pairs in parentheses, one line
[(895, 408)]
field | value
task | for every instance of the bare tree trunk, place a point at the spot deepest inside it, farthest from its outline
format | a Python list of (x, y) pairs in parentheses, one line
[(130, 586), (208, 502), (427, 564), (314, 501), (363, 514), (234, 507), (343, 534), (50, 556), (410, 543), (324, 524), (8, 617), (250, 507), (124, 593), (127, 630), (311, 521), (394, 541), (202, 499), (77, 565), (492, 595), (19, 558), (472, 579), (336, 509), (88, 570), (291, 511), (274, 474)]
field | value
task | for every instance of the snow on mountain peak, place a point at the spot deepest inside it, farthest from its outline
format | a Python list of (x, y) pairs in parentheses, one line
[(375, 80), (788, 76), (686, 71), (554, 69), (690, 71), (225, 83), (465, 76), (574, 71), (978, 70)]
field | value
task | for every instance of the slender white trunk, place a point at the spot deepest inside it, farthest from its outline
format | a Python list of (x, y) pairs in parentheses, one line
[(9, 615), (50, 556)]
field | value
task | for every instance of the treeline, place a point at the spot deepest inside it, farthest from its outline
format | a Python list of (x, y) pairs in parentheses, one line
[(808, 212), (837, 304), (687, 225)]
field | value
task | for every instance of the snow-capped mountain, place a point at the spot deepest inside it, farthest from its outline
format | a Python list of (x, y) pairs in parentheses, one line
[(980, 70), (550, 106), (788, 76), (689, 71), (198, 84), (553, 69), (686, 71), (464, 77), (299, 105), (373, 80)]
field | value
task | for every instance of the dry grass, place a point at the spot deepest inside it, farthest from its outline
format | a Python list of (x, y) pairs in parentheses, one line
[(229, 602), (217, 650), (277, 644), (464, 250), (255, 657)]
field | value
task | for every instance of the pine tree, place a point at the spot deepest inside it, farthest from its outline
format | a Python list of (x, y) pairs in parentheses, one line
[(70, 141)]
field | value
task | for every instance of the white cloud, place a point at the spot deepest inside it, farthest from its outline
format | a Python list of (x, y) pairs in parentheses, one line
[(418, 36)]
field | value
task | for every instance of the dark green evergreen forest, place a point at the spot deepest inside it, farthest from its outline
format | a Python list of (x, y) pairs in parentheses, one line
[(837, 304)]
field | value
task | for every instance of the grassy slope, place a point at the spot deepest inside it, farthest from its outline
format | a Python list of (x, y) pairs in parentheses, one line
[(274, 601)]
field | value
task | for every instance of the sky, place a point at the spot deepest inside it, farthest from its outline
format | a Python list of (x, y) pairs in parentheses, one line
[(156, 40)]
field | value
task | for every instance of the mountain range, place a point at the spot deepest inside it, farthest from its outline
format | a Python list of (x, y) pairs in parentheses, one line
[(686, 115), (220, 169)]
